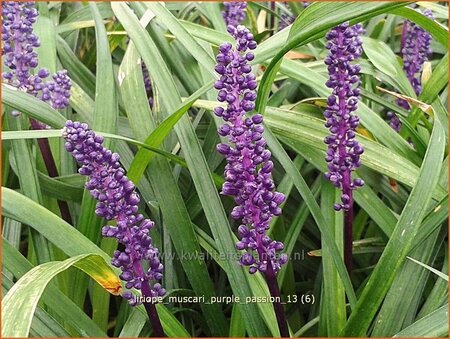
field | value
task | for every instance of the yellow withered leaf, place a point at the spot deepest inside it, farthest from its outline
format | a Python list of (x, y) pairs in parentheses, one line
[(413, 102)]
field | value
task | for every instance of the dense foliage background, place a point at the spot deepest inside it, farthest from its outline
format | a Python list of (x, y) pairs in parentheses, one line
[(399, 283)]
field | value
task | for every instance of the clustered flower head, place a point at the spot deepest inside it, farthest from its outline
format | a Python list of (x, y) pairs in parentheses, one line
[(286, 19), (148, 84), (19, 41), (343, 154), (57, 91), (248, 172), (393, 119), (234, 12), (415, 48), (20, 57), (118, 201)]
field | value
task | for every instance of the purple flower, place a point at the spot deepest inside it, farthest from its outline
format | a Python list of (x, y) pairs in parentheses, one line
[(415, 48), (148, 85), (19, 43), (393, 119), (248, 172), (57, 92), (20, 57), (20, 60), (287, 19), (118, 201), (234, 12), (343, 154)]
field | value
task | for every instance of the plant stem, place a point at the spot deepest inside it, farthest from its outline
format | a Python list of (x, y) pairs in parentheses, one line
[(272, 16), (402, 41), (348, 238), (151, 311), (52, 171), (274, 290)]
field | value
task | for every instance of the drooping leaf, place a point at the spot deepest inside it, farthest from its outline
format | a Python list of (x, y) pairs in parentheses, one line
[(21, 301)]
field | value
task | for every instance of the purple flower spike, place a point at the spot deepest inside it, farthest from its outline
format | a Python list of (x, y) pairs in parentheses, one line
[(287, 19), (21, 59), (19, 43), (57, 92), (148, 85), (343, 150), (415, 48), (117, 200), (393, 119), (234, 12), (248, 172)]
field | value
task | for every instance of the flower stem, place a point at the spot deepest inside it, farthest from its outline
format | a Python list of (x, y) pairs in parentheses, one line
[(52, 171), (274, 290), (402, 41), (348, 238), (272, 16), (151, 311)]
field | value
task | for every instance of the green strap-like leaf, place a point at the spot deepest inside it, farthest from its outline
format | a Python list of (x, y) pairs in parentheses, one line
[(183, 36), (78, 71), (164, 186), (384, 59), (439, 32), (106, 110), (105, 120), (198, 167), (312, 24), (405, 294), (401, 240), (433, 325), (20, 208), (431, 89), (155, 139), (431, 269), (310, 201), (311, 130), (31, 106), (333, 298), (20, 302), (55, 300), (43, 324), (17, 135)]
